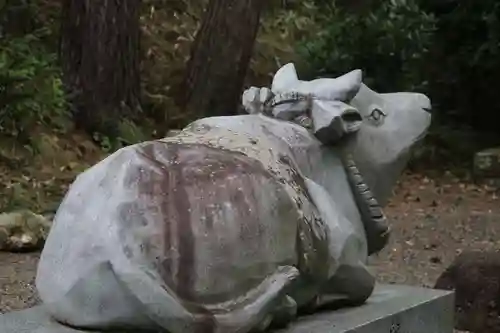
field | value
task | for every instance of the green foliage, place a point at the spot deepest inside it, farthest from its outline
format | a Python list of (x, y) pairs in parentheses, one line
[(168, 29), (128, 133), (31, 91), (30, 86), (281, 28), (394, 42), (388, 44), (464, 67)]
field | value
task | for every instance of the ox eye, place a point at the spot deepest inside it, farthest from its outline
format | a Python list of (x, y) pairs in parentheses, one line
[(377, 114)]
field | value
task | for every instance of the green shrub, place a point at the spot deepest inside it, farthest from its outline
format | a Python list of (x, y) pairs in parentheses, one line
[(31, 91), (388, 43), (30, 86), (280, 29), (464, 66)]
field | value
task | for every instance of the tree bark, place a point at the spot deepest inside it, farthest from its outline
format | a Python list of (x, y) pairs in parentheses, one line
[(99, 53), (220, 58)]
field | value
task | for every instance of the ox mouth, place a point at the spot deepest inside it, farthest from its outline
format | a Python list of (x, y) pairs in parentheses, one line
[(374, 220)]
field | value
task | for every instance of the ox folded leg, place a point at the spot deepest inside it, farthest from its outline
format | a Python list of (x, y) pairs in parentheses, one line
[(354, 282), (349, 279)]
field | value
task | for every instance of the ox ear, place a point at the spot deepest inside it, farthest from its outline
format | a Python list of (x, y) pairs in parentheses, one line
[(284, 78)]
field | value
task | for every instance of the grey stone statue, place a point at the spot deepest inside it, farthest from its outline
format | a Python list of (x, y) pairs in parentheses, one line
[(236, 223)]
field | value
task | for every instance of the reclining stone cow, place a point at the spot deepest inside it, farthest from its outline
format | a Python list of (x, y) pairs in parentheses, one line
[(236, 223)]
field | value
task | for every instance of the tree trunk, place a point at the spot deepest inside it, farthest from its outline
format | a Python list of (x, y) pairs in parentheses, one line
[(220, 58), (100, 61)]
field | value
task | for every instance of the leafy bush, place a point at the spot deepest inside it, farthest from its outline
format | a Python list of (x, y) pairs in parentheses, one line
[(280, 29), (31, 90), (30, 86), (167, 34), (388, 44), (463, 64)]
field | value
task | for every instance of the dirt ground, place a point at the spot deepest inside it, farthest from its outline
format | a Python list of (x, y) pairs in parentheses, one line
[(433, 219)]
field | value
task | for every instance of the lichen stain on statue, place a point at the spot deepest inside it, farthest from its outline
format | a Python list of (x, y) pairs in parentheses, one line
[(239, 223)]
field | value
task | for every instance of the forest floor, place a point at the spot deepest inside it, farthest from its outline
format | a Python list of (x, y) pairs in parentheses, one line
[(432, 218)]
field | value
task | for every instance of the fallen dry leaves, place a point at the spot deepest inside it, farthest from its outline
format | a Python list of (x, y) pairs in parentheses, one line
[(434, 219)]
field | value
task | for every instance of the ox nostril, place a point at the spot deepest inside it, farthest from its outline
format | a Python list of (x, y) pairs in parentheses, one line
[(351, 116)]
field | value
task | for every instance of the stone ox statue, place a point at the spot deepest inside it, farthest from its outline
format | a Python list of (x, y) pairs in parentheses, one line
[(237, 223)]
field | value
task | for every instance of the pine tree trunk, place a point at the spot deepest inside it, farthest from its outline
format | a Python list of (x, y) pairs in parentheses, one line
[(220, 58), (100, 61)]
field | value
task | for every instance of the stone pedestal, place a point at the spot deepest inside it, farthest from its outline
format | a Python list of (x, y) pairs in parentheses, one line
[(391, 309)]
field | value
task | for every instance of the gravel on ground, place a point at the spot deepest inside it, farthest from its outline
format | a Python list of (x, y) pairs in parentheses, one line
[(17, 281)]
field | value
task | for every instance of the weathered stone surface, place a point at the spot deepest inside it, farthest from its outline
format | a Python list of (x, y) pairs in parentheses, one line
[(254, 98), (342, 88), (23, 231), (173, 132), (233, 224), (475, 277), (391, 309), (487, 164)]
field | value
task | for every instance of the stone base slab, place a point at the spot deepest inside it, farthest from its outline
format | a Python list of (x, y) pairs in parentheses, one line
[(391, 309)]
